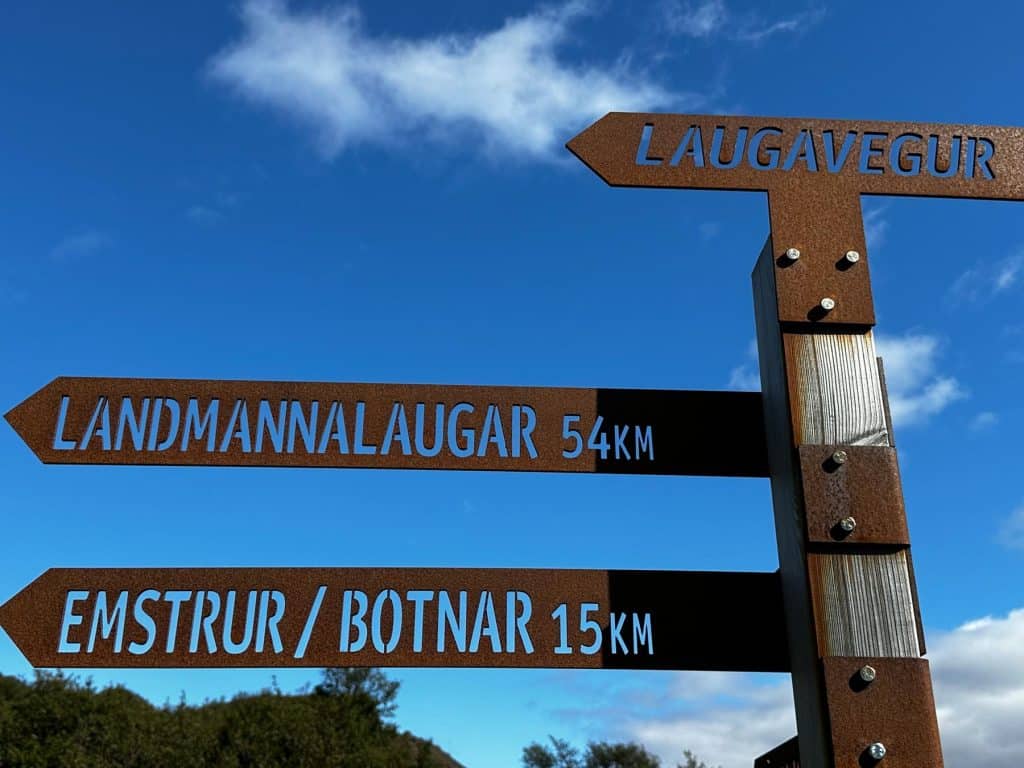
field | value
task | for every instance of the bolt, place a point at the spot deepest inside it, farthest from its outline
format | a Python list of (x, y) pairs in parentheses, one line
[(840, 457), (793, 254), (828, 304), (877, 750), (848, 524), (852, 257), (867, 673)]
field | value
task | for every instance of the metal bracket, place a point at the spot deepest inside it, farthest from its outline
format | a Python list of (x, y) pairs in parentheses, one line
[(823, 284), (881, 707), (785, 755), (853, 495)]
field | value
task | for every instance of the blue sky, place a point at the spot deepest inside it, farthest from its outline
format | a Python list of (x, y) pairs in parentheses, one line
[(379, 192)]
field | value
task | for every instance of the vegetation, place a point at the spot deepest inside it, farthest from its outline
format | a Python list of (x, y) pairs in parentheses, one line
[(598, 754), (59, 722)]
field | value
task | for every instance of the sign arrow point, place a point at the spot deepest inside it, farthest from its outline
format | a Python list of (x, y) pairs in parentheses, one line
[(583, 144), (31, 418)]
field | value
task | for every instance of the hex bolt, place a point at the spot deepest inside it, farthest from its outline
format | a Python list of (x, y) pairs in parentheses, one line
[(793, 254), (840, 457), (828, 304), (852, 257), (848, 524), (867, 673), (877, 750)]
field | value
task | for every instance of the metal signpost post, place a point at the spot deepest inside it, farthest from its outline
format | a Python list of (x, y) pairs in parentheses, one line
[(842, 612)]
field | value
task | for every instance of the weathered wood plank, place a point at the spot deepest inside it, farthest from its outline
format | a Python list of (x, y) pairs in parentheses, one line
[(864, 604), (837, 395)]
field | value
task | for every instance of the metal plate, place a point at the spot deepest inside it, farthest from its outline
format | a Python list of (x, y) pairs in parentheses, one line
[(571, 618), (637, 150), (822, 271), (785, 755), (897, 710), (867, 488), (394, 426)]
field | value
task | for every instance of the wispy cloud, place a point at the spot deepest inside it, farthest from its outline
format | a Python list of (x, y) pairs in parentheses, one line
[(984, 420), (916, 390), (986, 281), (700, 20), (977, 669), (747, 375), (713, 18), (876, 227), (1012, 533), (80, 245), (507, 89), (203, 214)]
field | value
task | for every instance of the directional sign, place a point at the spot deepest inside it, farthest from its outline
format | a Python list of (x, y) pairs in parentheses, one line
[(766, 153), (312, 617), (398, 426)]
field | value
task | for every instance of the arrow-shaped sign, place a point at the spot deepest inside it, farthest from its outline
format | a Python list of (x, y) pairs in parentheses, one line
[(306, 617), (396, 426), (632, 149)]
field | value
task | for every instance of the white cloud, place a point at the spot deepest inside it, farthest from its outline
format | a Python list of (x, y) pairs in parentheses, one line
[(729, 719), (202, 214), (727, 727), (979, 690), (747, 375), (984, 420), (712, 18), (916, 390), (1012, 534), (506, 89), (1007, 273), (987, 281), (702, 20), (80, 245), (876, 226)]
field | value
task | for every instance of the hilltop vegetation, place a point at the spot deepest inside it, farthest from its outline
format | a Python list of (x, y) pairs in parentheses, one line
[(57, 721)]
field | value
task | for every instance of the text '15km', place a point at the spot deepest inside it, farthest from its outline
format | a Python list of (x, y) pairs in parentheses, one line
[(396, 617)]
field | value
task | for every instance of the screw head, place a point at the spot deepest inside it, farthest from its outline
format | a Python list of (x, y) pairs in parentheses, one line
[(840, 457), (793, 254), (828, 303), (848, 524), (877, 750), (867, 673), (852, 257)]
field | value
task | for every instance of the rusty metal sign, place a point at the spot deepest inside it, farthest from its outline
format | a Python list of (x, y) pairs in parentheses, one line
[(396, 426), (768, 153), (314, 617), (814, 172)]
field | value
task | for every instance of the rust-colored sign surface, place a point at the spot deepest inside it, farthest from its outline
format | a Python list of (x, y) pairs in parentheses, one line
[(396, 426), (314, 617), (769, 153)]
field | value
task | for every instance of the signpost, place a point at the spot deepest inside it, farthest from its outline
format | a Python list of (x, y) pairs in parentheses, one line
[(394, 617), (842, 613), (863, 693), (392, 426)]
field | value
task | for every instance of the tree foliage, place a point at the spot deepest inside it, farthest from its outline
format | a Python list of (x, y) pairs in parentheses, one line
[(598, 754), (57, 721)]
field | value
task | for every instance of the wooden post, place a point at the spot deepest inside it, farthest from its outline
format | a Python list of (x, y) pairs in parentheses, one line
[(850, 602)]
